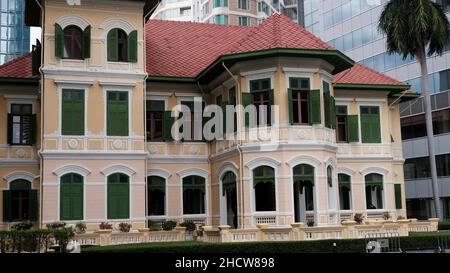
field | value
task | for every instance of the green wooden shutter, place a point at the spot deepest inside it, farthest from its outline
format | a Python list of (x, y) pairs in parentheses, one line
[(168, 121), (33, 205), (73, 115), (353, 128), (59, 41), (113, 50), (326, 103), (332, 112), (368, 196), (291, 106), (246, 100), (33, 129), (370, 127), (71, 201), (118, 201), (132, 46), (398, 196), (376, 130), (224, 111), (6, 206), (10, 128), (87, 42), (314, 106), (64, 202), (117, 121)]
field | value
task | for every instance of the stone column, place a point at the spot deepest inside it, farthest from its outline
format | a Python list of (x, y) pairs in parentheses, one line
[(349, 231), (261, 228), (181, 233), (225, 235), (297, 232)]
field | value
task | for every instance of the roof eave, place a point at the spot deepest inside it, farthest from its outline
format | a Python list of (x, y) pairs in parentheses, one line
[(24, 81)]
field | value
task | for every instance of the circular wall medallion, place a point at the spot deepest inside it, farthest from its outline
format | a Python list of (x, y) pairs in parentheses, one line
[(153, 149), (117, 144), (72, 143), (20, 153), (301, 134), (194, 150)]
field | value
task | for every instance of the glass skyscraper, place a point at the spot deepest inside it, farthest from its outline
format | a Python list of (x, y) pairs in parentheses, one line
[(14, 35)]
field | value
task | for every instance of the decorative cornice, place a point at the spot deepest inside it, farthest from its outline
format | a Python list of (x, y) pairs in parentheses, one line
[(262, 161), (72, 169), (303, 159), (159, 172), (377, 170), (193, 171), (118, 169), (19, 175)]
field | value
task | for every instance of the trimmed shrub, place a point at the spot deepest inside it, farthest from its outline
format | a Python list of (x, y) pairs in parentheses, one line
[(444, 225), (80, 228), (62, 237)]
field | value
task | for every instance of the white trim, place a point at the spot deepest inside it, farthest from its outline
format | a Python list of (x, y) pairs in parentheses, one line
[(262, 161), (304, 159), (257, 73), (73, 84), (330, 161), (19, 175), (377, 170), (72, 169), (226, 167), (21, 99), (159, 172), (193, 171), (72, 19), (112, 84), (118, 169), (164, 98), (113, 23), (346, 171)]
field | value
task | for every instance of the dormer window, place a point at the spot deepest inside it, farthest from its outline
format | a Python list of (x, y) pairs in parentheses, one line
[(122, 47), (72, 42)]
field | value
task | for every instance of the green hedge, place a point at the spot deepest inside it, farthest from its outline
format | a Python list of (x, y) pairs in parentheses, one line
[(445, 225), (416, 241)]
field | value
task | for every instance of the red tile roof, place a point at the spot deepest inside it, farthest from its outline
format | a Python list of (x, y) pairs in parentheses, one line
[(20, 67), (184, 49), (361, 74)]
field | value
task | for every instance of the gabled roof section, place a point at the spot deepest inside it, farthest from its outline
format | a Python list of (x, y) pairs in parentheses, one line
[(363, 77), (18, 69)]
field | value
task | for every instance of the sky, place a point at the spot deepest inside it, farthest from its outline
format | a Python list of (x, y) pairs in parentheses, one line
[(35, 33)]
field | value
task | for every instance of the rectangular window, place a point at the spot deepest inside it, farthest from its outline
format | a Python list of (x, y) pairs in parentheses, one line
[(443, 165), (117, 113), (155, 113), (21, 124), (243, 4), (221, 19), (413, 127), (220, 3), (370, 124), (398, 196), (262, 99), (194, 116), (304, 104), (417, 168), (244, 21), (341, 123), (72, 112)]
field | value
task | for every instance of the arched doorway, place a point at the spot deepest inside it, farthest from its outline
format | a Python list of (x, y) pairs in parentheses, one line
[(303, 191), (20, 202), (229, 194)]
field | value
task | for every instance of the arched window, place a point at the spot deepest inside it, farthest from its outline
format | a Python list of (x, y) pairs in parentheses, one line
[(156, 195), (264, 185), (193, 195), (122, 47), (73, 43), (118, 196), (303, 190), (344, 191), (20, 202), (230, 194), (330, 176), (71, 197), (374, 191)]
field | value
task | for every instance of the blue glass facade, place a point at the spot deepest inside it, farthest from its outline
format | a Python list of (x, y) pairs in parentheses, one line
[(14, 35)]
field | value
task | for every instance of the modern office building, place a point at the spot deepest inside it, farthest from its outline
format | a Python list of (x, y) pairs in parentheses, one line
[(351, 27), (227, 12), (14, 35)]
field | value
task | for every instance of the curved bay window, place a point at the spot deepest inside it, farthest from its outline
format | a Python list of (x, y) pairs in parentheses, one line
[(344, 191), (374, 191), (118, 196), (71, 197), (156, 195), (264, 185), (303, 190), (73, 43), (194, 195)]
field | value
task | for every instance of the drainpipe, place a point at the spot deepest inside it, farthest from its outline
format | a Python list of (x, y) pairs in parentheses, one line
[(41, 84), (144, 58), (239, 143)]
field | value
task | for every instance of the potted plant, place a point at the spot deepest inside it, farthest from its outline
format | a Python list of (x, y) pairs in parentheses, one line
[(387, 216), (310, 223), (359, 218), (105, 227), (169, 225), (125, 227), (56, 225), (190, 228), (80, 228)]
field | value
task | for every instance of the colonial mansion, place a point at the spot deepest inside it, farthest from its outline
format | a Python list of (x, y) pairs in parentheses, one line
[(86, 124)]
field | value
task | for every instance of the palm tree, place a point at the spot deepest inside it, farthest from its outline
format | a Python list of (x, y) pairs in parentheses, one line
[(418, 28)]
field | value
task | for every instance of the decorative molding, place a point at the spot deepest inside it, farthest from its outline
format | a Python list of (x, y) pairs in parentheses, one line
[(346, 171), (116, 23), (118, 169), (377, 170), (111, 84), (262, 161), (330, 161), (72, 19), (304, 159), (19, 175), (159, 172), (193, 171), (72, 169), (228, 166)]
